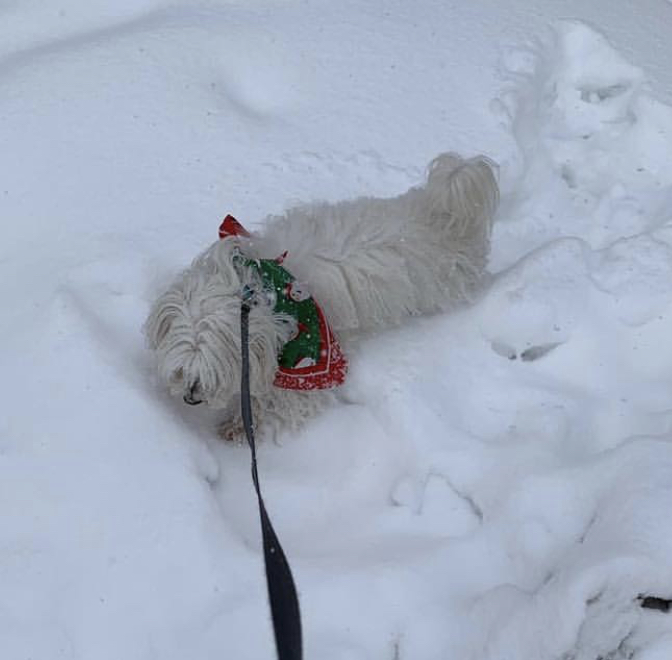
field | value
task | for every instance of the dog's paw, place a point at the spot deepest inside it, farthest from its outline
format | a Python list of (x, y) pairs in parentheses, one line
[(232, 430)]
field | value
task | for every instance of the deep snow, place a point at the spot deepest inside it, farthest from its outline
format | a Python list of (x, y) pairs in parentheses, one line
[(497, 487)]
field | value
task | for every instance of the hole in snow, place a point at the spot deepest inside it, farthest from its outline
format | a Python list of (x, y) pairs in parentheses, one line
[(504, 350), (601, 94), (568, 176), (535, 352), (655, 603)]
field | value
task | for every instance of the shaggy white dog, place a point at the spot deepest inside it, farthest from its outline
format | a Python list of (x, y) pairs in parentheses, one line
[(369, 263)]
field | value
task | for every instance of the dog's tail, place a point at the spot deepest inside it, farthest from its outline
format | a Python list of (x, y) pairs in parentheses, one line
[(462, 197)]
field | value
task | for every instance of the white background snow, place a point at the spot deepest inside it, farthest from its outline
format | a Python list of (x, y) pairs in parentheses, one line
[(499, 486)]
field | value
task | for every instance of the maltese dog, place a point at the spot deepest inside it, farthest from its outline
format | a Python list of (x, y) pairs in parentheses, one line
[(317, 277)]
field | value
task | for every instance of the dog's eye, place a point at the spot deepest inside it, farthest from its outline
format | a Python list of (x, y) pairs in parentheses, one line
[(177, 375)]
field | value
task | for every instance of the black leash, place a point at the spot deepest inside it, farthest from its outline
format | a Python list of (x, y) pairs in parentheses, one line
[(281, 590)]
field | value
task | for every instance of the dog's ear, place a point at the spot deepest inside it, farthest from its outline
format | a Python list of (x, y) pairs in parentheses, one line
[(163, 314), (157, 328)]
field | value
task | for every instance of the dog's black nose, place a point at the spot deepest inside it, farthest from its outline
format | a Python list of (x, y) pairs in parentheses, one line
[(192, 396)]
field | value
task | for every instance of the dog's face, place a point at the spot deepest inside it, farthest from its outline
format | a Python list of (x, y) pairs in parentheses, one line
[(194, 327)]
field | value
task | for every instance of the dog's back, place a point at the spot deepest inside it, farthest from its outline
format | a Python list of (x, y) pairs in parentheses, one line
[(371, 262)]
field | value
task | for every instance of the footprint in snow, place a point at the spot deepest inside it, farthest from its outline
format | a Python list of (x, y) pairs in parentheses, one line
[(529, 354)]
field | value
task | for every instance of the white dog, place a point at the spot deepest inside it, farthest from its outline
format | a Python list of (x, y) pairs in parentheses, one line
[(369, 263)]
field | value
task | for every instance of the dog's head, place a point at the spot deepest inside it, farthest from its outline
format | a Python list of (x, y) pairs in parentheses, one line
[(194, 327)]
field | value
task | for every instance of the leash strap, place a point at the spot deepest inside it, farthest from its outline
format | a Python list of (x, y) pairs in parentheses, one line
[(281, 589)]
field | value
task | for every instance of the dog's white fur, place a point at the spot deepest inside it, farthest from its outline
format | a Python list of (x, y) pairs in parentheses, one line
[(369, 263)]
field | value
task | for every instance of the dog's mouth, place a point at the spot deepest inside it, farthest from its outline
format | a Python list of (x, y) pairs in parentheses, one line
[(193, 396)]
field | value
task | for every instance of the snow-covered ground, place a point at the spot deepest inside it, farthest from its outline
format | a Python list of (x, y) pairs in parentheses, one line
[(499, 486)]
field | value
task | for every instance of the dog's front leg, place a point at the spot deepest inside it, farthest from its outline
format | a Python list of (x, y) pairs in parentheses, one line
[(291, 409), (277, 410), (232, 428)]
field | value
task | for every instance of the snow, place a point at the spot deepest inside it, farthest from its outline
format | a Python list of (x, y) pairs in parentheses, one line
[(496, 483)]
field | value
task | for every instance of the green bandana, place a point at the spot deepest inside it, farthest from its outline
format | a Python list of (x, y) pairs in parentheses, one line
[(312, 359)]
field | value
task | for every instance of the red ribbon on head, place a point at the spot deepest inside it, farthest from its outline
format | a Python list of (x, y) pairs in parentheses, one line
[(231, 227)]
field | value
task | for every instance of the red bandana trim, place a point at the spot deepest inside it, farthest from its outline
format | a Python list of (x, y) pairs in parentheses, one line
[(331, 368)]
